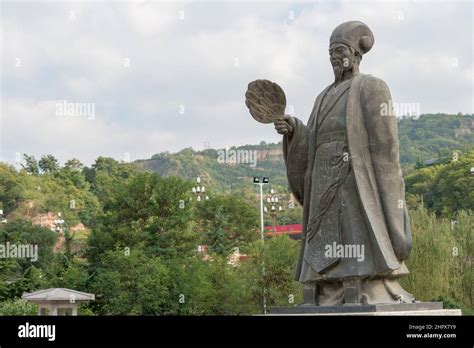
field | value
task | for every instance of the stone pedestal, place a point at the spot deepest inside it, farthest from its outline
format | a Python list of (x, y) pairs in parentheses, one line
[(417, 308)]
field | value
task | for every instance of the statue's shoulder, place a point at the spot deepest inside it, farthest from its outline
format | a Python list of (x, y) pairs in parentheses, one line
[(370, 84)]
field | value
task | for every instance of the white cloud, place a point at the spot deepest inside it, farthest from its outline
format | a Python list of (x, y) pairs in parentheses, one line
[(28, 125), (426, 57)]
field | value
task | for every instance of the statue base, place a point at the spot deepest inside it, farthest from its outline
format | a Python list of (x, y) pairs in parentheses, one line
[(417, 308)]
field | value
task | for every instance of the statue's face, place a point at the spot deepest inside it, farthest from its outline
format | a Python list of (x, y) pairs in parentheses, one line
[(342, 59)]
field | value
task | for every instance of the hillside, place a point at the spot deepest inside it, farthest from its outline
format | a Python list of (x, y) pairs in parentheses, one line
[(430, 136), (228, 173), (434, 136)]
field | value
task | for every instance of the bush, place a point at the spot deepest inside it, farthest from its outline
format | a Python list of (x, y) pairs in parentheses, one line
[(281, 255), (441, 260), (17, 307)]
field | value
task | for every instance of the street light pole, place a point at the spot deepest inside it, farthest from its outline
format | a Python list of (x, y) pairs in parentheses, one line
[(261, 212), (256, 180)]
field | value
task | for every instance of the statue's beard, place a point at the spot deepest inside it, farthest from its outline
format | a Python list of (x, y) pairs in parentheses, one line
[(338, 71)]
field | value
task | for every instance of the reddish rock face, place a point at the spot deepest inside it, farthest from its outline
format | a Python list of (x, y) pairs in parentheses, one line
[(28, 210)]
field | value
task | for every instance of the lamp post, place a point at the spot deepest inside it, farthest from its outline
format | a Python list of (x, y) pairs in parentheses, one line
[(200, 191), (264, 181), (275, 208), (58, 223), (260, 183)]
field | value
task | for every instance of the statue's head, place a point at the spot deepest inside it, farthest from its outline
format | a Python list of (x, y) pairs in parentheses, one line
[(348, 43)]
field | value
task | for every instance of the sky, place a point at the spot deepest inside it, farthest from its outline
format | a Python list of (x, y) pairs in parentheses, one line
[(129, 79)]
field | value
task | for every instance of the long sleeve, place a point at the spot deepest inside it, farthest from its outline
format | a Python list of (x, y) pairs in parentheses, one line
[(295, 153)]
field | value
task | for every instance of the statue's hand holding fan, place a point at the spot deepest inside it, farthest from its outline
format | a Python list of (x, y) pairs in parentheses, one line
[(266, 102)]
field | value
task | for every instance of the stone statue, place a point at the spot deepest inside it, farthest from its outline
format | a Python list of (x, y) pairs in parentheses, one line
[(343, 168)]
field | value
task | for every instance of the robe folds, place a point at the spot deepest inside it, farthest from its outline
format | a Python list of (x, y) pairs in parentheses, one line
[(372, 142)]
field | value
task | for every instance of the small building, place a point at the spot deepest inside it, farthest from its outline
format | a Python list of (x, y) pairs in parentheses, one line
[(57, 301)]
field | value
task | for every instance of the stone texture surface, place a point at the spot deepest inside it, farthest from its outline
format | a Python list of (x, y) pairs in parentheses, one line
[(417, 308), (432, 312)]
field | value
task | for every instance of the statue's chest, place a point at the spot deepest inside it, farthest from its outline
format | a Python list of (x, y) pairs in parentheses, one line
[(332, 117)]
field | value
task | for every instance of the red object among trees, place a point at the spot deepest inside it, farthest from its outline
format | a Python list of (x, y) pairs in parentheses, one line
[(294, 231)]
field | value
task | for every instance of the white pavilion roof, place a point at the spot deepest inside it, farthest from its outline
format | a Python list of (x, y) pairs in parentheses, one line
[(58, 294)]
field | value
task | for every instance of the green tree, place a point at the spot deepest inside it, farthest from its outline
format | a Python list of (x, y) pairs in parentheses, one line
[(227, 222), (209, 287), (10, 187), (445, 188), (280, 255), (106, 175), (147, 212), (74, 164), (31, 164), (22, 274), (48, 164), (453, 186), (131, 284)]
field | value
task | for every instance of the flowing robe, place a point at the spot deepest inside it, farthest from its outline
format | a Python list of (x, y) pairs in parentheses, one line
[(372, 146)]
